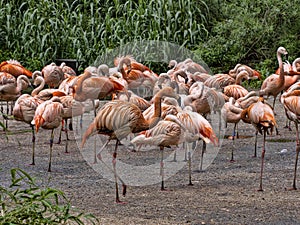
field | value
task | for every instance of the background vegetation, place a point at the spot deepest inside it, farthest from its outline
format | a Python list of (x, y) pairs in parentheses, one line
[(222, 33)]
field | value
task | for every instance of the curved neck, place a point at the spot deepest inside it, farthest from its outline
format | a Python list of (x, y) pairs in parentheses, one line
[(127, 62), (294, 65), (240, 77), (281, 71), (40, 87), (19, 82), (79, 82)]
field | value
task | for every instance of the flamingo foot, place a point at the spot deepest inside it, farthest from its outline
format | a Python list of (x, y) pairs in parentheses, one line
[(121, 202), (292, 189), (198, 171), (260, 189), (166, 189), (190, 184), (232, 161)]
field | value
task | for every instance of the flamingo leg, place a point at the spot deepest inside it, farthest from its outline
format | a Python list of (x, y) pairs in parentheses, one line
[(162, 172), (67, 136), (190, 167), (202, 156), (114, 162), (99, 154), (297, 155), (71, 124), (262, 160), (33, 144), (51, 146), (255, 147), (185, 145), (60, 132), (233, 142)]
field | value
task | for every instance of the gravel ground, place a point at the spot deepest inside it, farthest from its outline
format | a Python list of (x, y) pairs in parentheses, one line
[(225, 193)]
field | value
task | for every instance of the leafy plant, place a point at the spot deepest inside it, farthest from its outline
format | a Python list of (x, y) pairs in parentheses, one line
[(23, 202)]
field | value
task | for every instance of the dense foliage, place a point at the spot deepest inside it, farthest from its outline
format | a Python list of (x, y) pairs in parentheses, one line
[(23, 202), (222, 33)]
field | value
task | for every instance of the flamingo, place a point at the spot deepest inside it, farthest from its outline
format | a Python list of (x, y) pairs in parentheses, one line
[(88, 87), (236, 90), (231, 114), (202, 77), (219, 81), (291, 103), (261, 116), (24, 110), (274, 84), (14, 68), (241, 67), (166, 133), (198, 128), (183, 87), (11, 91), (117, 119), (48, 115), (67, 69), (71, 108), (53, 75), (135, 99)]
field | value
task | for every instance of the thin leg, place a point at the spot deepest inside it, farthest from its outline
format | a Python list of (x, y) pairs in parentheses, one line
[(162, 172), (99, 154), (274, 104), (233, 143), (175, 155), (94, 107), (71, 124), (185, 146), (255, 146), (262, 161), (237, 131), (60, 132), (297, 155), (190, 168), (67, 136), (33, 144), (114, 162), (51, 146), (202, 156)]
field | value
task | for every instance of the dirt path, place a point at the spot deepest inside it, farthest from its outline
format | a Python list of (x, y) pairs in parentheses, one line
[(225, 193)]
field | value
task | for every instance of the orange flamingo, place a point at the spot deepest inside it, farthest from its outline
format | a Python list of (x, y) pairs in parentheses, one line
[(48, 115), (236, 90), (88, 87), (261, 116), (118, 119), (14, 68), (274, 84), (53, 75), (291, 103)]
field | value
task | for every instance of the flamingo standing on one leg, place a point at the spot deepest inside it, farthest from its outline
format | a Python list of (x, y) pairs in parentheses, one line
[(48, 115), (261, 116), (118, 119)]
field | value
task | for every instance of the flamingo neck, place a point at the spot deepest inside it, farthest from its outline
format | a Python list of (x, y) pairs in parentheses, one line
[(240, 77), (157, 112), (19, 82), (80, 81), (281, 71), (38, 89)]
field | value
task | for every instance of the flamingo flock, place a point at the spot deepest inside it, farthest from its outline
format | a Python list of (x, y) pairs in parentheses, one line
[(178, 112)]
